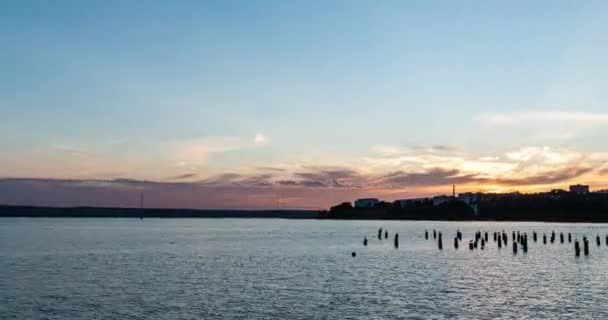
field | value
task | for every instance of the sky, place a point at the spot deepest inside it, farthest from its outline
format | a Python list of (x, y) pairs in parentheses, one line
[(298, 104)]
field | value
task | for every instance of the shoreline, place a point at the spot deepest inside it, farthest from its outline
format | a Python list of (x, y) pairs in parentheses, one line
[(134, 213)]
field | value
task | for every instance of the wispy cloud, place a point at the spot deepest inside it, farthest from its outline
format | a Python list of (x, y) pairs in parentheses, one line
[(195, 152), (186, 176), (545, 125), (543, 117), (259, 139)]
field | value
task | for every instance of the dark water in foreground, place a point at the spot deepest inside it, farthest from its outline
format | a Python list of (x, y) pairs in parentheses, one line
[(289, 269)]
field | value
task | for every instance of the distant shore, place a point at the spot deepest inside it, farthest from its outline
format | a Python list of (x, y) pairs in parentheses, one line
[(101, 212), (7, 211)]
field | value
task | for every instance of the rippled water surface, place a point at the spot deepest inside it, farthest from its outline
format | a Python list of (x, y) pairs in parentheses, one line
[(290, 269)]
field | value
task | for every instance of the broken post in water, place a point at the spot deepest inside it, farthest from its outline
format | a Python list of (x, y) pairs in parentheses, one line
[(396, 240), (365, 241), (439, 242)]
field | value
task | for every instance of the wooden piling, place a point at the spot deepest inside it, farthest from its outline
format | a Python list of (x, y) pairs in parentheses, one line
[(534, 236), (439, 242), (434, 234), (569, 237), (456, 243), (597, 239), (577, 248), (561, 237), (365, 241), (380, 234), (426, 234), (544, 238), (396, 240), (514, 247), (386, 234), (586, 246)]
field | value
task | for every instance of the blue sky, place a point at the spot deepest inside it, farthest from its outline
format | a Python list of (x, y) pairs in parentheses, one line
[(153, 90)]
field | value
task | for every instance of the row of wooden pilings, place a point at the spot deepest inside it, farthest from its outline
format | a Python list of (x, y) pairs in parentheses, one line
[(480, 240), (519, 239), (384, 234)]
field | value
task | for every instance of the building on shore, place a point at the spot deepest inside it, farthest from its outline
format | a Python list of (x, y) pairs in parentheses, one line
[(579, 189), (439, 200), (366, 203), (406, 202)]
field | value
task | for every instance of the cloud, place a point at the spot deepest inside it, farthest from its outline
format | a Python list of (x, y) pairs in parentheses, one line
[(547, 177), (543, 117), (185, 176), (271, 169), (545, 155), (197, 152), (432, 177), (387, 150), (259, 139), (545, 125)]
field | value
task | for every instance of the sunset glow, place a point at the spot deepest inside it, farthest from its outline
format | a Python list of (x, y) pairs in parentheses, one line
[(298, 105)]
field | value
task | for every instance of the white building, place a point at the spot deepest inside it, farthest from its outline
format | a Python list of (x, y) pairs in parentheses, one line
[(366, 203)]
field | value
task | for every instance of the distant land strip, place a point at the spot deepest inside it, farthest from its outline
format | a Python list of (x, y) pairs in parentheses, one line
[(101, 212)]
